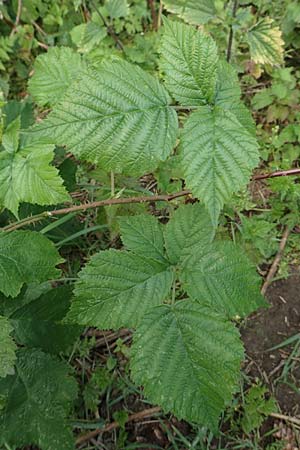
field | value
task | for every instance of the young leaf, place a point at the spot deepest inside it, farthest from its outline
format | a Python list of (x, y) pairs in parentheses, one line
[(25, 257), (117, 116), (195, 12), (54, 72), (38, 397), (38, 323), (219, 155), (7, 348), (189, 226), (26, 175), (220, 275), (189, 62), (265, 42), (117, 288), (188, 360)]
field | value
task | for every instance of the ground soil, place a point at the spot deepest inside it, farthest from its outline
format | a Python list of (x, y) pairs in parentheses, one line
[(269, 328)]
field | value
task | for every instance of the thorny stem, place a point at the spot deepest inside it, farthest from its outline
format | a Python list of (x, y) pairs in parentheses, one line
[(120, 201), (230, 39)]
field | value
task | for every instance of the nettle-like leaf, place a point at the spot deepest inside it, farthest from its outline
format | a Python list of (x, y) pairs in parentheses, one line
[(189, 340), (189, 63), (54, 72), (218, 156), (188, 360), (25, 257), (7, 348), (220, 275), (37, 322), (117, 116), (26, 173), (219, 149), (116, 289), (265, 42), (195, 12), (38, 396)]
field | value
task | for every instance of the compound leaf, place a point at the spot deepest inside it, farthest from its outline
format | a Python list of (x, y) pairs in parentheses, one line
[(27, 175), (7, 348), (188, 360), (117, 116), (218, 156), (189, 226), (39, 397), (54, 72), (189, 61), (221, 276), (195, 12), (25, 257), (117, 288), (265, 42)]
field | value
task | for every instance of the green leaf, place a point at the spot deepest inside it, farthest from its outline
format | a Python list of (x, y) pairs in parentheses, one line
[(189, 63), (219, 275), (116, 8), (27, 175), (25, 257), (143, 235), (257, 408), (188, 360), (54, 72), (7, 348), (195, 12), (117, 288), (37, 400), (87, 36), (219, 155), (228, 96), (38, 323), (117, 116), (265, 42), (189, 226), (10, 138)]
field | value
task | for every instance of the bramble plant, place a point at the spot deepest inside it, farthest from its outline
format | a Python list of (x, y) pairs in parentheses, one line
[(176, 285)]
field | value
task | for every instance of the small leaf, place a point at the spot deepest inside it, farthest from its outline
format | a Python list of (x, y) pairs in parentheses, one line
[(188, 360), (25, 257), (189, 63), (123, 121), (38, 397), (7, 348), (87, 36), (219, 275), (28, 176), (54, 72), (117, 288), (189, 226), (265, 42), (195, 12), (219, 155)]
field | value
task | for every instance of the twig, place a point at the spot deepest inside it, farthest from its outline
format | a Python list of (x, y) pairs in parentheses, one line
[(276, 261), (230, 39), (91, 205), (151, 6), (119, 201), (109, 28), (114, 425), (286, 418), (279, 173), (17, 21)]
